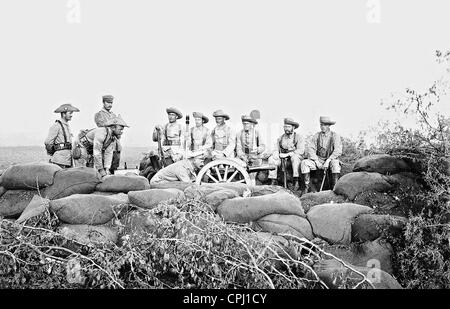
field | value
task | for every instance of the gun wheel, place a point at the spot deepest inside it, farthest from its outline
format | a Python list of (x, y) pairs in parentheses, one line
[(223, 171)]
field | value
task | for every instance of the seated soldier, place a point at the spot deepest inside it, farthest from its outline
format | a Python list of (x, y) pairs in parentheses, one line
[(249, 146), (97, 145), (290, 145), (185, 170), (324, 149)]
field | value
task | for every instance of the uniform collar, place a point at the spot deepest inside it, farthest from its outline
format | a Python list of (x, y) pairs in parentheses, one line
[(63, 121), (105, 111)]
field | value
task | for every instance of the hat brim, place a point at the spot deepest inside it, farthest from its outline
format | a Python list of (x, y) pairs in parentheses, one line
[(62, 110), (179, 114), (250, 120), (329, 123), (224, 116), (294, 124)]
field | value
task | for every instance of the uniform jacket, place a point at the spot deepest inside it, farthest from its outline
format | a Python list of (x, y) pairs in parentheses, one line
[(98, 137), (251, 141), (179, 171), (224, 139), (293, 142), (200, 139), (101, 118), (325, 146), (56, 136)]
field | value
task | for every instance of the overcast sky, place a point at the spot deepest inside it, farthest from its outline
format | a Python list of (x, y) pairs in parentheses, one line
[(298, 59)]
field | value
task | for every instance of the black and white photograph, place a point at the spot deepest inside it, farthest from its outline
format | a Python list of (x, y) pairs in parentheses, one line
[(223, 149)]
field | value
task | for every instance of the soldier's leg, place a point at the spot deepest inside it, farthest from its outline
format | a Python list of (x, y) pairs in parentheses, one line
[(115, 162), (82, 161), (275, 161), (335, 166), (306, 166), (295, 162)]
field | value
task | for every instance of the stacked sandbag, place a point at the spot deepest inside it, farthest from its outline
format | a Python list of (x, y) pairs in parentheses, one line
[(171, 185), (14, 202), (86, 209), (2, 191), (214, 199), (382, 164), (250, 209), (37, 206), (151, 198), (405, 181), (29, 176), (124, 184), (367, 227), (376, 253), (89, 234), (333, 222), (352, 184), (317, 198), (78, 180), (334, 274), (285, 224)]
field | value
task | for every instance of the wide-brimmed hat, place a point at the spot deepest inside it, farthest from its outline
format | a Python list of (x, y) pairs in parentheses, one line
[(247, 118), (326, 120), (221, 113), (108, 98), (175, 111), (200, 115), (291, 122), (116, 121), (66, 108)]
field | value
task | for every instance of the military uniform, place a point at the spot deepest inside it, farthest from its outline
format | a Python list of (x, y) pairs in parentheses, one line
[(60, 138), (172, 139), (200, 137), (323, 147), (223, 139), (179, 171), (249, 146)]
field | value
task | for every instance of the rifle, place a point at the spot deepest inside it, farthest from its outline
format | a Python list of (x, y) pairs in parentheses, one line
[(187, 137), (283, 168), (160, 150), (323, 180)]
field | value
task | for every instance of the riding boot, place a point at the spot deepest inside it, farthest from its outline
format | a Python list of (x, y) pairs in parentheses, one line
[(334, 179), (296, 184), (307, 179), (273, 182)]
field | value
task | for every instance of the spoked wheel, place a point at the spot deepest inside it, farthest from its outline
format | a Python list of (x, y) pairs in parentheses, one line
[(223, 171)]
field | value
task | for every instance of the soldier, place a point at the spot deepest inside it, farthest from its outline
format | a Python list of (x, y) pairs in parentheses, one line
[(200, 137), (97, 145), (59, 139), (101, 118), (172, 139), (249, 146), (184, 170), (290, 145), (324, 149), (223, 137)]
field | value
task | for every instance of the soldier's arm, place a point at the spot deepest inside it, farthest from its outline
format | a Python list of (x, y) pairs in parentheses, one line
[(239, 151), (99, 139), (337, 147), (184, 175), (262, 146), (100, 119), (108, 156), (52, 134), (208, 141), (232, 144), (301, 146)]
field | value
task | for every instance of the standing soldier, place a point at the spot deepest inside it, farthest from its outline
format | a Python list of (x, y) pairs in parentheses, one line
[(200, 137), (59, 139), (324, 148), (249, 146), (97, 145), (172, 137), (290, 145), (101, 118), (223, 137)]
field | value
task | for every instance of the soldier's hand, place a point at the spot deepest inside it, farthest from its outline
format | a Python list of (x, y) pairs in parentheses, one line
[(158, 127), (284, 155)]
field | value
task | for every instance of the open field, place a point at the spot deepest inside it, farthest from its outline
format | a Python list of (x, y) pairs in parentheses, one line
[(27, 154)]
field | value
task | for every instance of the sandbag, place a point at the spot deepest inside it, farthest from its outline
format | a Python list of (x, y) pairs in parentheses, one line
[(352, 184), (333, 222), (333, 274), (77, 180), (180, 185), (151, 198), (123, 184), (382, 164), (367, 227), (14, 202), (89, 234), (405, 181), (318, 198), (29, 176), (37, 206), (249, 209), (216, 198), (286, 224), (265, 190), (2, 191), (85, 209)]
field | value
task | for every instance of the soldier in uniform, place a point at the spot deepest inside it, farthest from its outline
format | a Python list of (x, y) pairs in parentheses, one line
[(101, 118), (184, 170), (59, 139), (223, 137), (249, 144), (200, 140), (172, 139), (97, 145), (324, 149), (290, 145)]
